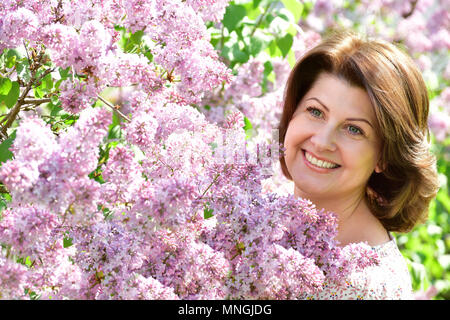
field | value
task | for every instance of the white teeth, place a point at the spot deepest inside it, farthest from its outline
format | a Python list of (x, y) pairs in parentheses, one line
[(320, 163)]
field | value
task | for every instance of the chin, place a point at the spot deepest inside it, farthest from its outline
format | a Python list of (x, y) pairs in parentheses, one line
[(310, 191)]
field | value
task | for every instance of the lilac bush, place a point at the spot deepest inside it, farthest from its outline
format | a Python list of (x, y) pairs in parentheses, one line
[(160, 198)]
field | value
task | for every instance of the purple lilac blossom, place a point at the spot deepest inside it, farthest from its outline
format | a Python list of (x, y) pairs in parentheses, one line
[(182, 223)]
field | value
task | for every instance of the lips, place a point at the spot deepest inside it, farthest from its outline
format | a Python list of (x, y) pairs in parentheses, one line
[(319, 162)]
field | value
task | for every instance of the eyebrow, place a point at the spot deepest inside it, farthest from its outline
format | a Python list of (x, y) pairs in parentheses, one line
[(348, 119)]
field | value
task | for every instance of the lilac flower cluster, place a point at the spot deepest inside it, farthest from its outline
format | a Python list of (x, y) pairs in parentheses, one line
[(22, 20), (53, 172), (176, 207), (428, 18), (27, 230), (180, 42), (13, 277), (140, 234), (80, 35)]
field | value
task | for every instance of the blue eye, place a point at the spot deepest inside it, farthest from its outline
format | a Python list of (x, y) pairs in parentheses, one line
[(314, 112), (354, 130)]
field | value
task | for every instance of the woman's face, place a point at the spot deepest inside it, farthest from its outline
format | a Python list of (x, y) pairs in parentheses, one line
[(331, 143)]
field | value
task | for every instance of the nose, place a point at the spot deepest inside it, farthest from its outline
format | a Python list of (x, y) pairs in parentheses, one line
[(324, 139)]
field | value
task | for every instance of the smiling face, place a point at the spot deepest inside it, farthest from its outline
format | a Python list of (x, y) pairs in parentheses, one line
[(332, 146)]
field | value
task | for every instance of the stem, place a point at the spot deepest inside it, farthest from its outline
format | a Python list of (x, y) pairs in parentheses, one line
[(210, 185), (413, 7), (12, 115), (114, 108), (26, 50), (261, 17), (36, 101), (2, 135), (221, 38), (3, 188), (166, 165)]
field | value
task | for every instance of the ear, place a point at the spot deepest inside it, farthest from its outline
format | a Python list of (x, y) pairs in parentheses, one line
[(379, 167)]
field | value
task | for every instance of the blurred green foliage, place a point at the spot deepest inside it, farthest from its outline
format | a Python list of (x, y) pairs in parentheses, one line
[(427, 246)]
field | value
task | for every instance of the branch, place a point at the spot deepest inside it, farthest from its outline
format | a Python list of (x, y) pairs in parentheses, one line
[(12, 115), (2, 135), (171, 169), (214, 181), (210, 185), (261, 17), (413, 7), (3, 189), (114, 108), (36, 101)]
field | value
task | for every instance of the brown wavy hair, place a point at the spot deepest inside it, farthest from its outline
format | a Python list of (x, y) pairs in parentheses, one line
[(400, 195)]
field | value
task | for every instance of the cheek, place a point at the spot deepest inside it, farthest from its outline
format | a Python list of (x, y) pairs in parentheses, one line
[(295, 132), (289, 145), (362, 159), (288, 139), (292, 140)]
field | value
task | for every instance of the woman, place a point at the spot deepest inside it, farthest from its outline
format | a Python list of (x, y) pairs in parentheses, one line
[(354, 125)]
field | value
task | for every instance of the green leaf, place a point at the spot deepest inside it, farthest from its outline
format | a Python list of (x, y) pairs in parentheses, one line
[(115, 119), (239, 55), (69, 121), (10, 62), (269, 75), (38, 92), (233, 15), (444, 199), (291, 58), (285, 44), (23, 69), (55, 110), (67, 242), (256, 3), (13, 95), (55, 100), (28, 261), (137, 37), (247, 124), (292, 30), (253, 12), (207, 212), (133, 41), (5, 154), (268, 68), (273, 50), (114, 132), (148, 54), (225, 52), (248, 128), (5, 86), (12, 56), (3, 202), (47, 82), (256, 46), (295, 7), (64, 73)]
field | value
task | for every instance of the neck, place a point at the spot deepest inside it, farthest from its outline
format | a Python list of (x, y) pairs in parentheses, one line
[(356, 223), (343, 206)]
